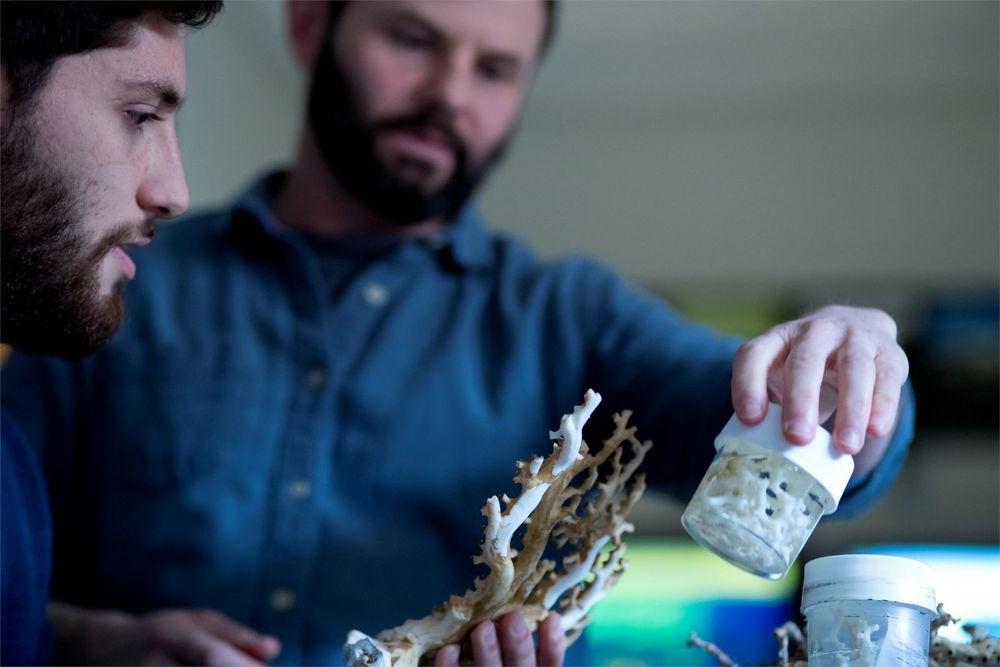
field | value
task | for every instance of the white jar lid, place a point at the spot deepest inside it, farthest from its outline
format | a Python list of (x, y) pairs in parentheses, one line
[(828, 466), (868, 577)]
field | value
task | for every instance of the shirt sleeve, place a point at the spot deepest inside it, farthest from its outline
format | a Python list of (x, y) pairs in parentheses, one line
[(673, 374), (862, 492)]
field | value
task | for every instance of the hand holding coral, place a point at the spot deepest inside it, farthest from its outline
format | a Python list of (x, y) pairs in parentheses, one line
[(509, 642), (565, 501)]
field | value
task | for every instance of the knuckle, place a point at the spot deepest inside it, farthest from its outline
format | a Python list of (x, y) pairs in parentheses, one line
[(902, 361), (749, 349), (853, 357), (860, 342), (883, 321), (884, 403), (890, 375), (801, 361), (821, 327), (855, 405)]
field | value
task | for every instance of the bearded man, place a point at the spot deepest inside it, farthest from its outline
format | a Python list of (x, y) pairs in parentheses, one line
[(320, 384), (89, 160)]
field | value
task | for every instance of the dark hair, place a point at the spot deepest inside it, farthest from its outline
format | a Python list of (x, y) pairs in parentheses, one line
[(551, 14), (36, 34)]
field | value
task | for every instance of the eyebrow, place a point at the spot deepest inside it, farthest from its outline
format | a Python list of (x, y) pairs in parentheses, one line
[(412, 16), (503, 56), (166, 93)]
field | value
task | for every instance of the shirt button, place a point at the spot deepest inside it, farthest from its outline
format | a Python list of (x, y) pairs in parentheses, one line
[(375, 294), (282, 599), (299, 489), (316, 378)]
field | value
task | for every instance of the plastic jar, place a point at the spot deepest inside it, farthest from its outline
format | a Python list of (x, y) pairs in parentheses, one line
[(868, 610), (762, 496)]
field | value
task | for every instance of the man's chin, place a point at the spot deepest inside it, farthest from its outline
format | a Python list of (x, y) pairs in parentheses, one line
[(72, 332), (425, 182)]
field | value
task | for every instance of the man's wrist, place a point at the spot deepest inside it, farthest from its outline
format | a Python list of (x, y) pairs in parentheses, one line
[(92, 636)]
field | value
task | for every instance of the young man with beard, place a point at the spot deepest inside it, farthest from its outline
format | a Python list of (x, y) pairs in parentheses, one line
[(320, 385), (89, 160)]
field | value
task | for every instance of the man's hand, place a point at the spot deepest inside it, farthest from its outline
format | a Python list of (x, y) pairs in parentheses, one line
[(509, 643), (838, 358), (174, 637)]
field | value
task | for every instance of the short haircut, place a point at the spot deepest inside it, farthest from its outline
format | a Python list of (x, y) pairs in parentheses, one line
[(551, 15), (34, 35)]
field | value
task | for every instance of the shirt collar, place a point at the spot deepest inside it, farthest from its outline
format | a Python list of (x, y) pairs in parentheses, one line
[(465, 243)]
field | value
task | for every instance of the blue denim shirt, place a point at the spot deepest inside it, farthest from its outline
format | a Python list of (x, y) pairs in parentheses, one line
[(26, 558), (311, 457)]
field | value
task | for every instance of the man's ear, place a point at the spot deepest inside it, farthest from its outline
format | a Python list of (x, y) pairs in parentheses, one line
[(306, 29)]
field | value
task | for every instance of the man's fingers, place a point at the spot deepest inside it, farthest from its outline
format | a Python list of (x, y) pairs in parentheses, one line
[(803, 371), (751, 365), (447, 656), (200, 648), (856, 380), (551, 642), (890, 374), (261, 647), (837, 358), (516, 644), (485, 647)]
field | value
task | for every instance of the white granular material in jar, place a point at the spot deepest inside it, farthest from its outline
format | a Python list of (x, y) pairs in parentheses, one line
[(849, 643), (766, 495)]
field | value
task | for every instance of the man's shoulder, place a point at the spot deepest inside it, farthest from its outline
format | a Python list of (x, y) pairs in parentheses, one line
[(513, 255)]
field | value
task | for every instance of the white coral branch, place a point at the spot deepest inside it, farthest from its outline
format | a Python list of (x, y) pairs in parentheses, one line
[(549, 512), (570, 433)]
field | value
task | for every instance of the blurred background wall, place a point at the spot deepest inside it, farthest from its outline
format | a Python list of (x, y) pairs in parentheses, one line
[(700, 142)]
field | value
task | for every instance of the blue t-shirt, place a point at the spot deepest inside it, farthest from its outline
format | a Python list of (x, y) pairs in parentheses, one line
[(306, 445), (25, 551)]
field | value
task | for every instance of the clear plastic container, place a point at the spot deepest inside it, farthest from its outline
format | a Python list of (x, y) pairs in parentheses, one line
[(864, 610), (762, 496)]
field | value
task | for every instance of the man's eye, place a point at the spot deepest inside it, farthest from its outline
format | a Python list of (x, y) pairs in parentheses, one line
[(411, 39), (497, 73), (139, 117)]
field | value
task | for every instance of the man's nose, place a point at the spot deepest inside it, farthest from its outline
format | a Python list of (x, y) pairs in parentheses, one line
[(163, 193), (451, 84)]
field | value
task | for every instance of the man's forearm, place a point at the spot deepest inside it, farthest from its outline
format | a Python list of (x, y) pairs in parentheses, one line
[(83, 636)]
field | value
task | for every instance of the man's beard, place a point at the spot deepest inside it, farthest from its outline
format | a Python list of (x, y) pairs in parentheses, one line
[(50, 271), (347, 144)]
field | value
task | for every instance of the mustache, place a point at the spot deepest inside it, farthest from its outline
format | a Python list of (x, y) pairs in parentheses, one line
[(435, 120), (124, 234)]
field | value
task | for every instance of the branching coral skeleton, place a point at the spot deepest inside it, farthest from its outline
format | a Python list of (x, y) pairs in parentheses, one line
[(586, 517)]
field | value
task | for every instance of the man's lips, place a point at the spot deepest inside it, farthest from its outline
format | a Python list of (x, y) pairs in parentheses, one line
[(126, 263), (431, 147)]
